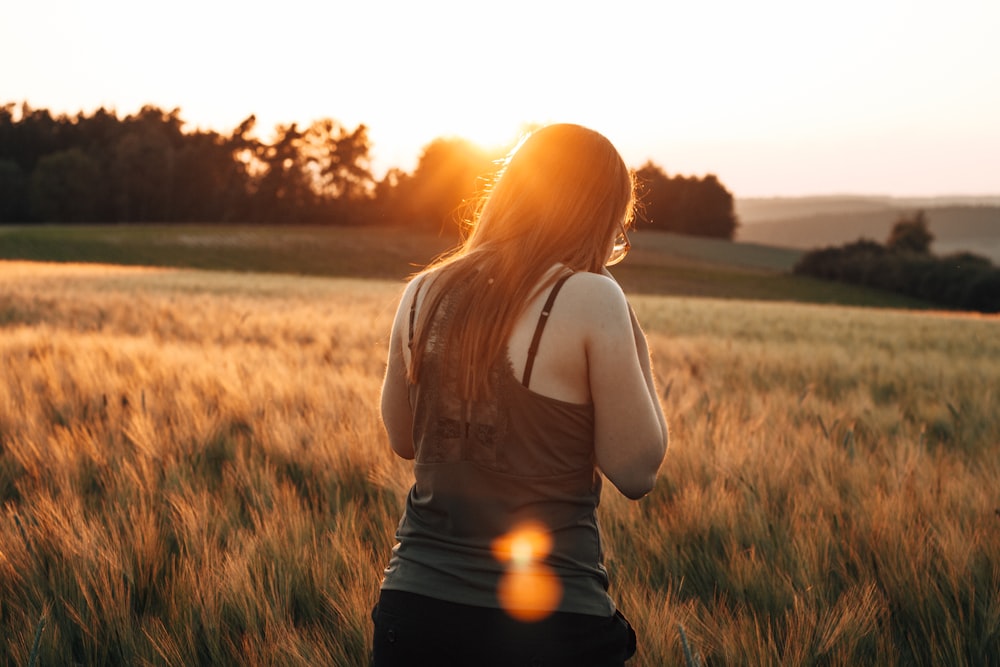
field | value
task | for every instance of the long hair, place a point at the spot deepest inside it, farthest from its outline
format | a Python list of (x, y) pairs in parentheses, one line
[(558, 197)]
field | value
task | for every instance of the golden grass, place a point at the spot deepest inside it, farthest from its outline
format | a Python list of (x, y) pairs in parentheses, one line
[(192, 471)]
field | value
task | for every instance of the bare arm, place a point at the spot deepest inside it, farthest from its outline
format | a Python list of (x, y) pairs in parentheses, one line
[(645, 363), (630, 429), (397, 415)]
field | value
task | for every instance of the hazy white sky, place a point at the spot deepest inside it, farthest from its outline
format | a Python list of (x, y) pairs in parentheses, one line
[(776, 97)]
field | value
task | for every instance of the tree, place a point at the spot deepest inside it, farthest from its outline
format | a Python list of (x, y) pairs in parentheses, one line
[(63, 187), (449, 175), (338, 160), (142, 173), (282, 192), (389, 199), (685, 205), (313, 175), (13, 192), (142, 165), (97, 136), (210, 181), (910, 235), (35, 135), (338, 168)]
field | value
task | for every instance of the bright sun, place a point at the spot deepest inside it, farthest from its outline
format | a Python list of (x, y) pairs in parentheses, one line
[(488, 133), (402, 147)]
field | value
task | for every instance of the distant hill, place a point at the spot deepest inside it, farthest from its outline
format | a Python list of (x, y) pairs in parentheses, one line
[(958, 223), (650, 248), (659, 263)]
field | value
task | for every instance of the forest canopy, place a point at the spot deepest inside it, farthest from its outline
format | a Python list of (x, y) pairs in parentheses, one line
[(150, 167)]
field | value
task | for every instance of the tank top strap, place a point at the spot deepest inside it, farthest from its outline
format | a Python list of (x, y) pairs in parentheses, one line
[(413, 313), (542, 319)]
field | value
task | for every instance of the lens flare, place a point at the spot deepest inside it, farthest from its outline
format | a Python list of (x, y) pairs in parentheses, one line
[(529, 590), (526, 543)]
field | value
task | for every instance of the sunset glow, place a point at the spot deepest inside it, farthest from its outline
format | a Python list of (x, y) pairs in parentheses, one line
[(894, 97)]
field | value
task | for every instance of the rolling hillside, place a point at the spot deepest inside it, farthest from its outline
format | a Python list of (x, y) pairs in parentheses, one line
[(660, 263), (958, 224)]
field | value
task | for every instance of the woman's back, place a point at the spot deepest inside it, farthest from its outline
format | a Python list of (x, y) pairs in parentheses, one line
[(587, 355), (559, 366), (488, 465)]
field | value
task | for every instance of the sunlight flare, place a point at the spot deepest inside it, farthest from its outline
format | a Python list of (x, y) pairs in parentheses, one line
[(529, 590)]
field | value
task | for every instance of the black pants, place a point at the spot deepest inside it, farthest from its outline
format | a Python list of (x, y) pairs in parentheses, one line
[(415, 630)]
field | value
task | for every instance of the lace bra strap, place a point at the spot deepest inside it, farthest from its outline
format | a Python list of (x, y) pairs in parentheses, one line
[(542, 319)]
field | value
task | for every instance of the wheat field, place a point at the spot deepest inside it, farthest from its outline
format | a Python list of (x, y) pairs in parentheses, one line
[(192, 472)]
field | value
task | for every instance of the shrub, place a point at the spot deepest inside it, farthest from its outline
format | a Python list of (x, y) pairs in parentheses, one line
[(962, 281)]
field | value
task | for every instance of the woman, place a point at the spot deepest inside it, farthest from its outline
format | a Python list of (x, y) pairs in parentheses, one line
[(516, 372)]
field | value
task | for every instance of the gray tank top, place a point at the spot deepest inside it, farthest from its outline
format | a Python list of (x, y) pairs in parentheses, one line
[(484, 467)]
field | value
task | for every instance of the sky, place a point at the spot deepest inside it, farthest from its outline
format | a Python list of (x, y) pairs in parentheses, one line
[(775, 97)]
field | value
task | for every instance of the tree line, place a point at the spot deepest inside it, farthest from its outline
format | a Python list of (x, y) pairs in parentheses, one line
[(905, 264), (149, 167)]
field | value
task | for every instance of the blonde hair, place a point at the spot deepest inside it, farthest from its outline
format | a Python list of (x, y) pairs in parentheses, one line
[(558, 197)]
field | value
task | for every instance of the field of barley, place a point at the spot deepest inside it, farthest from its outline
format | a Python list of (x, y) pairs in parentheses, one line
[(193, 472)]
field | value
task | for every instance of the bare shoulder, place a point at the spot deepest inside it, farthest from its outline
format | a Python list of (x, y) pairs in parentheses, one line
[(593, 285), (595, 298)]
